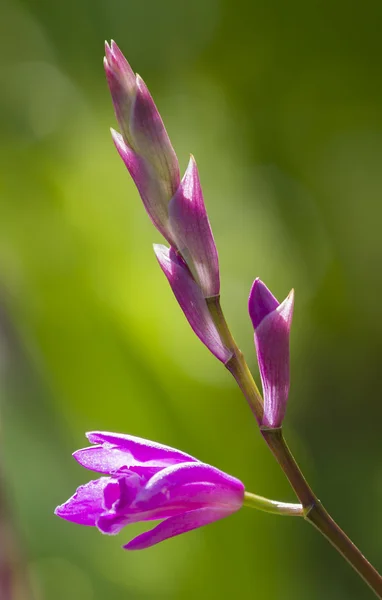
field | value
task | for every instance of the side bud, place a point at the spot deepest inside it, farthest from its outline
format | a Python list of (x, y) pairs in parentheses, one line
[(191, 300), (272, 321)]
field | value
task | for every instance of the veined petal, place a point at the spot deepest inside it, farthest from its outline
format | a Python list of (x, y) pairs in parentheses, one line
[(87, 504), (150, 139), (110, 460), (123, 86), (153, 190), (176, 525), (140, 449), (185, 473), (188, 484), (191, 300), (103, 459), (192, 231)]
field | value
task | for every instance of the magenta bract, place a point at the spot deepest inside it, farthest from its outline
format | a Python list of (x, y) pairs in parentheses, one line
[(192, 231), (191, 300), (272, 321), (148, 481)]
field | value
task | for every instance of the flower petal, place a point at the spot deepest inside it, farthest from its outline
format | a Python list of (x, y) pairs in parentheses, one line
[(150, 139), (110, 460), (192, 231), (191, 300), (153, 190), (143, 451), (87, 504), (103, 459), (188, 484), (261, 302), (175, 526)]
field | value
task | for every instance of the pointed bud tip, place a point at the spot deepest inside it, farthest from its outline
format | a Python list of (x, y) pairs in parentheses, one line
[(142, 87), (160, 249), (261, 302), (117, 139), (285, 309)]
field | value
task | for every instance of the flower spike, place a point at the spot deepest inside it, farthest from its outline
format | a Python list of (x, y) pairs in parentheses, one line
[(148, 481), (272, 321)]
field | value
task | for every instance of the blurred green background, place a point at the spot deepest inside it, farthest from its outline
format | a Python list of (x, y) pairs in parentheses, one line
[(281, 104)]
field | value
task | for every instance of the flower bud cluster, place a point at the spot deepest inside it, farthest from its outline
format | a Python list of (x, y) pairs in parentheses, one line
[(176, 207)]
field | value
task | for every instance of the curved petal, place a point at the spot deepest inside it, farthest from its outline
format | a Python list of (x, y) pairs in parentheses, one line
[(103, 459), (261, 302), (150, 139), (191, 300), (112, 460), (192, 231), (190, 483), (153, 190), (175, 526), (86, 505), (143, 451)]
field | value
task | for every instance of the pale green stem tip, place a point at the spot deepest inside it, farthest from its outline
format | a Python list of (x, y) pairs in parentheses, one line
[(273, 506)]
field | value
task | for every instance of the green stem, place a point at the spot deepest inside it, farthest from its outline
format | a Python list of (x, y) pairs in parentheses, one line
[(276, 443), (313, 511), (236, 365), (273, 506), (316, 514), (321, 520)]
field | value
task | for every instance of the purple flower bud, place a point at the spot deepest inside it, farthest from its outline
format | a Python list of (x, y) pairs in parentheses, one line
[(148, 481), (192, 232), (123, 86), (272, 321), (144, 145), (191, 300)]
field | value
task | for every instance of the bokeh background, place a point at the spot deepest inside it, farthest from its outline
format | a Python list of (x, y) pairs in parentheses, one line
[(281, 104)]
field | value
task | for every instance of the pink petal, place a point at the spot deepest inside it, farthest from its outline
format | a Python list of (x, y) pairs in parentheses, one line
[(153, 191), (143, 451), (261, 302), (191, 300), (86, 505), (188, 484), (175, 526), (192, 231), (150, 139)]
